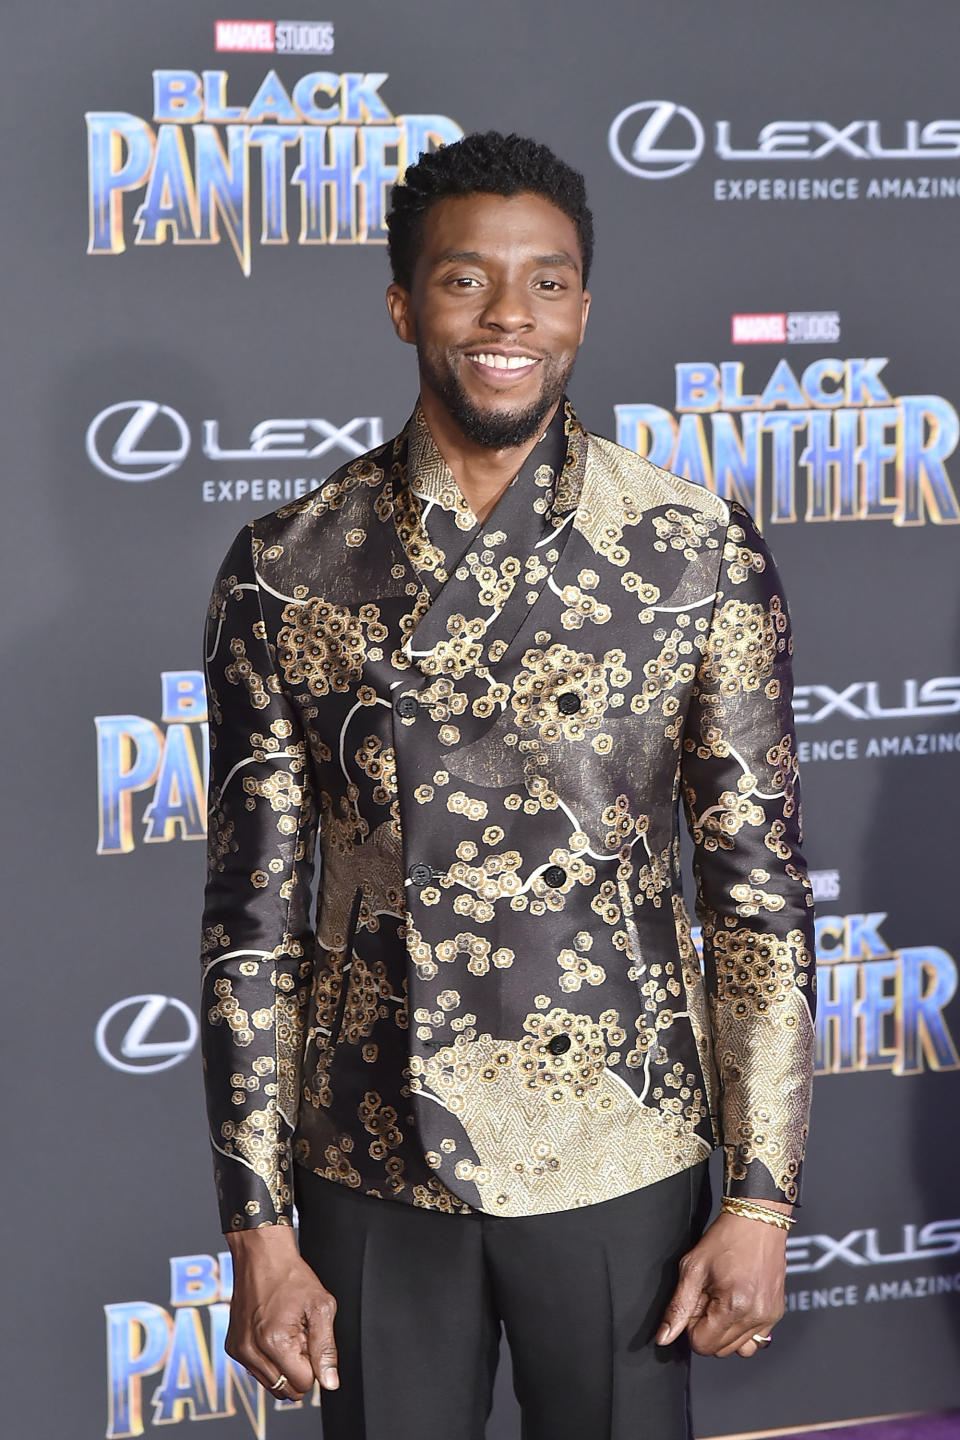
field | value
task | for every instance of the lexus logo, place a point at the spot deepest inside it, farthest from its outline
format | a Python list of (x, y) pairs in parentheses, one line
[(116, 448), (645, 139), (123, 1033), (142, 440)]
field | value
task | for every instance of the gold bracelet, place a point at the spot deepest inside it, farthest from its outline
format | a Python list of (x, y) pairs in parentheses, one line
[(752, 1210)]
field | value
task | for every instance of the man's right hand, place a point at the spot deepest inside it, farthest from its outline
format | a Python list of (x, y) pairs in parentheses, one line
[(281, 1317)]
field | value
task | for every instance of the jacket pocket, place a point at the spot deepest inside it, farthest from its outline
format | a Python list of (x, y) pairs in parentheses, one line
[(345, 970)]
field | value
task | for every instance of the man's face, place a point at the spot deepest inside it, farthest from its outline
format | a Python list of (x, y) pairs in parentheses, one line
[(497, 311)]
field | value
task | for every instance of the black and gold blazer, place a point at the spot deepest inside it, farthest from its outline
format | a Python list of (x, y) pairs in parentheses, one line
[(491, 727)]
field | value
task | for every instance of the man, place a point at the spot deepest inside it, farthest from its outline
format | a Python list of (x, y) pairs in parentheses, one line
[(484, 662)]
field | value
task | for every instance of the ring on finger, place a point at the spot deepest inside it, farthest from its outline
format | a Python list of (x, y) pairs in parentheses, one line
[(762, 1340), (279, 1383)]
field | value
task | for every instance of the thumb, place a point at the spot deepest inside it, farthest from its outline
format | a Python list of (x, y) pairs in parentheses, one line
[(321, 1346), (686, 1302)]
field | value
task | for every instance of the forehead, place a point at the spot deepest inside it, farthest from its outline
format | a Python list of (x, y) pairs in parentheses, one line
[(501, 227)]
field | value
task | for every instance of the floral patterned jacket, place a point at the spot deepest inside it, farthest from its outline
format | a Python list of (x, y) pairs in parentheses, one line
[(490, 727)]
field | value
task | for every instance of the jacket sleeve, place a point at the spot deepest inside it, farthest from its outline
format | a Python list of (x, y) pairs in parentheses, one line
[(742, 800), (257, 943)]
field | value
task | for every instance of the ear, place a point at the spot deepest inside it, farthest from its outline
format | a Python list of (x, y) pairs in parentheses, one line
[(400, 306), (586, 312)]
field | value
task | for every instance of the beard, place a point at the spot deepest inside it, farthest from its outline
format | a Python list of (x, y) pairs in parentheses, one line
[(493, 429)]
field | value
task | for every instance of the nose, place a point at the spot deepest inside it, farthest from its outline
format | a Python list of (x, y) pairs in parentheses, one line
[(508, 308)]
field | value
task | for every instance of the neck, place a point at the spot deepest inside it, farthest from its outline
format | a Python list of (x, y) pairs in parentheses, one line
[(481, 473)]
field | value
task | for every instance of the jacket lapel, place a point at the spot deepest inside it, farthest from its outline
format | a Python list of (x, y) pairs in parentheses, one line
[(483, 580)]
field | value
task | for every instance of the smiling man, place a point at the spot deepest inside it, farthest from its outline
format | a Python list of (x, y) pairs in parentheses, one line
[(484, 663)]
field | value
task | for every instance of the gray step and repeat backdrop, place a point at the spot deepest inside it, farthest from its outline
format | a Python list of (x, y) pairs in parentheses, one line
[(195, 332)]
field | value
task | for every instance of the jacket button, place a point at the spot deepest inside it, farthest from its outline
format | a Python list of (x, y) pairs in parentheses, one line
[(407, 707), (568, 703), (558, 1044), (421, 874), (554, 875)]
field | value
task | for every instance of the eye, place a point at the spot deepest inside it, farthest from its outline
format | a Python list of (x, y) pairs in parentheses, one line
[(463, 282), (552, 286)]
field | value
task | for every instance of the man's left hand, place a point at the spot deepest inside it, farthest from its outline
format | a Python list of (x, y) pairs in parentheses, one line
[(731, 1288)]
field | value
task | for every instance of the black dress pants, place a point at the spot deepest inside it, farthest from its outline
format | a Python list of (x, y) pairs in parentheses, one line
[(421, 1296)]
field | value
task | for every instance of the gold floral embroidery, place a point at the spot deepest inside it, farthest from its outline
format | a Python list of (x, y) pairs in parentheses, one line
[(533, 783)]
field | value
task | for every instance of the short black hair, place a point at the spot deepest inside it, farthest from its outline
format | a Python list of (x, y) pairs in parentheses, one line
[(482, 164)]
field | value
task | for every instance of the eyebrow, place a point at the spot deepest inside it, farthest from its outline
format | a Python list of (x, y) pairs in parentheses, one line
[(559, 257)]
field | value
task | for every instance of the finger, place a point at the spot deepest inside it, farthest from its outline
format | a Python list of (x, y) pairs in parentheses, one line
[(281, 1350), (286, 1352), (265, 1371), (321, 1345), (745, 1344), (727, 1323), (686, 1304), (284, 1390)]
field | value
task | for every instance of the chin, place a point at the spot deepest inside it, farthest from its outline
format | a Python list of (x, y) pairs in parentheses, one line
[(494, 420), (503, 428)]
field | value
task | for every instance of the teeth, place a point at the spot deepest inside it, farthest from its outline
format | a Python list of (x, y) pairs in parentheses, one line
[(503, 362)]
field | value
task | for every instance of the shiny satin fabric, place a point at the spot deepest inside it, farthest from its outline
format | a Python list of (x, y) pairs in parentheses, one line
[(492, 729)]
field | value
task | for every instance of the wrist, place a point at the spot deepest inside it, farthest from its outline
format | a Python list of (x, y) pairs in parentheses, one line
[(263, 1240), (783, 1207), (770, 1213)]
